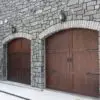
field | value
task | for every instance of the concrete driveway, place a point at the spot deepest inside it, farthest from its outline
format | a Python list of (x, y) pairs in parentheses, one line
[(16, 91)]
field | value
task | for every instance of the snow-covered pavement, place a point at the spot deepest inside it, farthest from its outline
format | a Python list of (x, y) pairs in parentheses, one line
[(35, 94), (8, 97)]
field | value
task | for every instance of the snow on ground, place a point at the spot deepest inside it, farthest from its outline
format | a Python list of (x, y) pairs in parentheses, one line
[(4, 96), (35, 94)]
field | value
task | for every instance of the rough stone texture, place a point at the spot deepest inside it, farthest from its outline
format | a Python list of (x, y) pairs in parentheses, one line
[(35, 16)]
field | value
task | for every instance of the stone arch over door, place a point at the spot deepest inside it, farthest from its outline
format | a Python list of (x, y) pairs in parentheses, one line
[(5, 41), (17, 35), (68, 25)]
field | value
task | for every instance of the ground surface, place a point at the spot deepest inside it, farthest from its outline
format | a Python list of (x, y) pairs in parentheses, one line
[(24, 92)]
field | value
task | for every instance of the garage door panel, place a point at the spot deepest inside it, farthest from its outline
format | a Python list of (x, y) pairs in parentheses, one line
[(19, 61), (84, 39), (16, 45), (70, 56), (93, 81), (79, 74), (25, 48), (64, 71), (85, 55), (56, 71), (55, 42)]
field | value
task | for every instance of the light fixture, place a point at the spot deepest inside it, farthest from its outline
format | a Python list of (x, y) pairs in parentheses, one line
[(62, 16), (13, 29)]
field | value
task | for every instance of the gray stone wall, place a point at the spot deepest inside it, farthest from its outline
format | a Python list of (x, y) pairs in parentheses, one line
[(35, 16)]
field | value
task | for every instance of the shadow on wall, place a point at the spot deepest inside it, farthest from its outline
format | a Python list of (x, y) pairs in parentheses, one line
[(1, 64)]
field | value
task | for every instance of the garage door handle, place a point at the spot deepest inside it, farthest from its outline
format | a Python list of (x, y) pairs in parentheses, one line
[(51, 71), (69, 59)]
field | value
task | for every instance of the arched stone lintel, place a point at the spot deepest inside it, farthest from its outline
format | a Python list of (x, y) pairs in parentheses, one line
[(70, 24), (17, 35)]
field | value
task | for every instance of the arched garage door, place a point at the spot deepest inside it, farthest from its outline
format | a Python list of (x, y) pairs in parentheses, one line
[(72, 61), (19, 60)]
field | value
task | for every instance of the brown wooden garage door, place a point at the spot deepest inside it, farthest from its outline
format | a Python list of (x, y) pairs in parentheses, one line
[(72, 61), (19, 60)]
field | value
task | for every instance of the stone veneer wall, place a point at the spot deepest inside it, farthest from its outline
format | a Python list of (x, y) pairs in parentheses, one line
[(34, 17)]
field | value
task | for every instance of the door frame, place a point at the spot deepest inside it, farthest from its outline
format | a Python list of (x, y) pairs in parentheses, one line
[(44, 40), (5, 52), (8, 72), (45, 63), (91, 25)]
